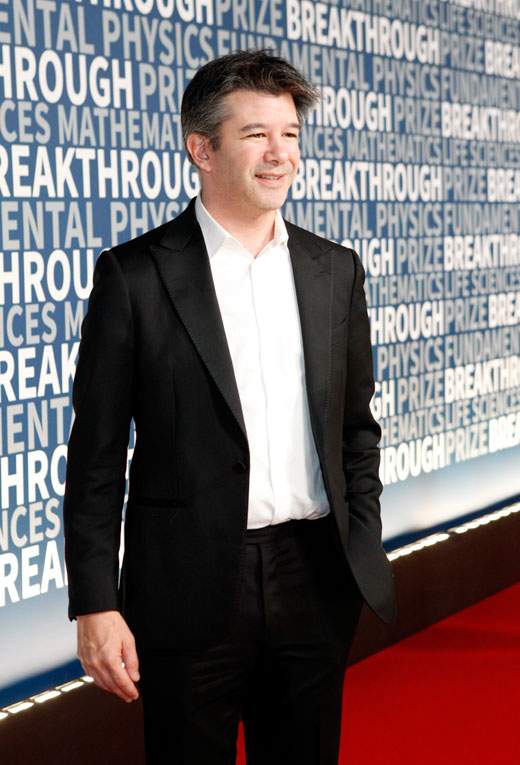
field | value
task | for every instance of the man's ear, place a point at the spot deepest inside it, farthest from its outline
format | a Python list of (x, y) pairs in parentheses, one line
[(198, 147)]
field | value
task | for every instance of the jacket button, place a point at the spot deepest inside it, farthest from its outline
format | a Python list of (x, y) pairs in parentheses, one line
[(240, 467)]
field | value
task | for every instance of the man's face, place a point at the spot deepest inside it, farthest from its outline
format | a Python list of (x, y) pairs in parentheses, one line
[(257, 155)]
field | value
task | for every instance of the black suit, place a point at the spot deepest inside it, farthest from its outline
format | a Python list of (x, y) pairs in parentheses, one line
[(154, 349)]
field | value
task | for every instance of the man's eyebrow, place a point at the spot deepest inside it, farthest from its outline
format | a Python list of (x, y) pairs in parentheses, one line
[(264, 126)]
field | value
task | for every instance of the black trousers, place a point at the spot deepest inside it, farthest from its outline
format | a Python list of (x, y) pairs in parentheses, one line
[(281, 668)]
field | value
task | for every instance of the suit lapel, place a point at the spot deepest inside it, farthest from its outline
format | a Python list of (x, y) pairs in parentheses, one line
[(313, 275), (183, 264)]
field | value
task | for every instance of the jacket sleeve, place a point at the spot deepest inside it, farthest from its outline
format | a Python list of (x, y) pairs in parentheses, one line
[(361, 433), (97, 452)]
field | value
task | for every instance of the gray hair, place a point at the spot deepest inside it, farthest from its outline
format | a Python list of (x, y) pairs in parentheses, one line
[(203, 107)]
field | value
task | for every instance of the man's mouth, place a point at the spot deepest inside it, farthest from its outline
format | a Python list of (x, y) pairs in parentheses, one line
[(269, 176)]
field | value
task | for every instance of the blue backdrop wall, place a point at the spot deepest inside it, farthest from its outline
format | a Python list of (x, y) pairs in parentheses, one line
[(413, 158)]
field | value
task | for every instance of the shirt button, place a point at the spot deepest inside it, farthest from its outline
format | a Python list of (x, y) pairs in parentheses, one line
[(240, 467)]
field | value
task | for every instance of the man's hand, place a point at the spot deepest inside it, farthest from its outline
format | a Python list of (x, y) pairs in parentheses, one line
[(106, 649)]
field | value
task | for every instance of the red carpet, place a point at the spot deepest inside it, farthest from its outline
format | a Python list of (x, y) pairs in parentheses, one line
[(447, 695)]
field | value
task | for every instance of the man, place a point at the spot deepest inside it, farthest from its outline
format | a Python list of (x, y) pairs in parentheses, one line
[(239, 344)]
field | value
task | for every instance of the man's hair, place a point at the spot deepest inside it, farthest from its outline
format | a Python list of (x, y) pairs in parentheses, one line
[(203, 107)]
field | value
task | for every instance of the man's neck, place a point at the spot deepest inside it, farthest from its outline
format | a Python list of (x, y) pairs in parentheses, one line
[(253, 233)]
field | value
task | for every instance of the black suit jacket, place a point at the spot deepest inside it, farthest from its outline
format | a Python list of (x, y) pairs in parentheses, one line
[(154, 349)]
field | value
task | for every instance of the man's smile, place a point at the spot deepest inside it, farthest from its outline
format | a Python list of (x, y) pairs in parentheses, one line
[(270, 176)]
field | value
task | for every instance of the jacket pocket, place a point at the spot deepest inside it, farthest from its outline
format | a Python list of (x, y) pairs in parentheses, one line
[(162, 509)]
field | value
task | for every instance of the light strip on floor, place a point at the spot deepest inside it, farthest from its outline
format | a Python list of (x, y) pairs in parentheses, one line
[(462, 529), (419, 545), (70, 686), (41, 698), (20, 706), (485, 519)]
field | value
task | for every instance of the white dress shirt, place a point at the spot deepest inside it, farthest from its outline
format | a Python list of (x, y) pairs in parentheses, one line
[(257, 300)]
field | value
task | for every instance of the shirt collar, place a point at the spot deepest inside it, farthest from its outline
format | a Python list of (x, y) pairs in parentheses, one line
[(216, 235)]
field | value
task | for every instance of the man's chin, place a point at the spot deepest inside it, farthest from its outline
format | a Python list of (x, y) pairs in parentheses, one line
[(273, 201)]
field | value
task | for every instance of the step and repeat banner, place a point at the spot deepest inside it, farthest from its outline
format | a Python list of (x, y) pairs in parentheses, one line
[(412, 158)]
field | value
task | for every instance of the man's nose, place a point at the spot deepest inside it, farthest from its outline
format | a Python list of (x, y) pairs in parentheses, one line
[(276, 151)]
